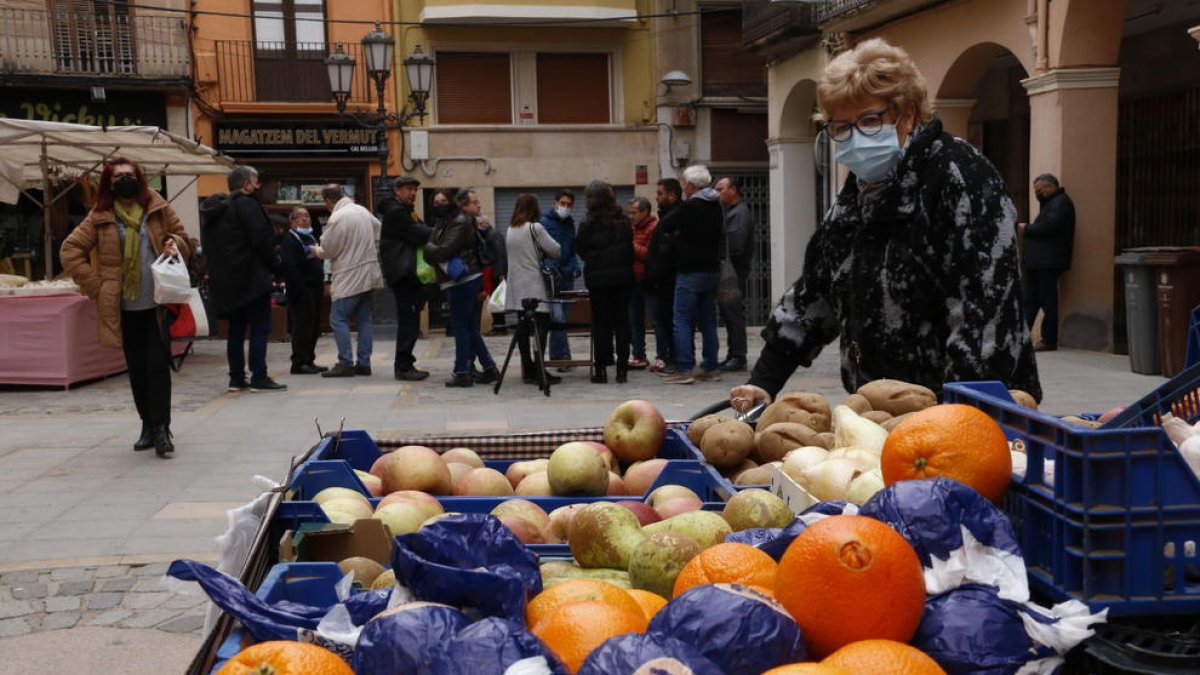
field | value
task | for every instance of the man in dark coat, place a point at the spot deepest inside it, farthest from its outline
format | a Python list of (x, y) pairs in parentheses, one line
[(739, 237), (561, 225), (239, 244), (1048, 243), (304, 273), (659, 280), (400, 236)]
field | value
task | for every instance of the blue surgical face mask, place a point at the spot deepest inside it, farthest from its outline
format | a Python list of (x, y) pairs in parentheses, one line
[(563, 212), (306, 231), (871, 158)]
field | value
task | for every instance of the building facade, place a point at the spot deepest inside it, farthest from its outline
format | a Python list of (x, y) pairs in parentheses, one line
[(1105, 94)]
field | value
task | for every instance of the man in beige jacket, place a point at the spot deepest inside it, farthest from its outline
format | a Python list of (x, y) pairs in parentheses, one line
[(350, 242)]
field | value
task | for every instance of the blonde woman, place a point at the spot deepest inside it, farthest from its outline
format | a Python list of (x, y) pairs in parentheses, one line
[(915, 266)]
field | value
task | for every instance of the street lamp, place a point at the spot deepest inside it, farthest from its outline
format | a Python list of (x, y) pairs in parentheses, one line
[(379, 50)]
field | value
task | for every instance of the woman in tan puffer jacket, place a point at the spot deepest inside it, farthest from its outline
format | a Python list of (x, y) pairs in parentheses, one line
[(109, 255)]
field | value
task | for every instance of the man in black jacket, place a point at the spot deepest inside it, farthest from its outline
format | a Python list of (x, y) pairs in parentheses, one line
[(659, 284), (739, 237), (1048, 243), (239, 244), (304, 273), (400, 236)]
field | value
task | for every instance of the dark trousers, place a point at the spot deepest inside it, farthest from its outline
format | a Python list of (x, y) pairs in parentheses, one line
[(410, 298), (464, 321), (734, 316), (148, 360), (541, 324), (610, 321), (661, 306), (637, 322), (304, 316), (255, 316), (1041, 292)]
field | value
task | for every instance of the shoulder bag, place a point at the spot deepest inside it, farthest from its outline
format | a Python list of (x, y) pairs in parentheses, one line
[(551, 274)]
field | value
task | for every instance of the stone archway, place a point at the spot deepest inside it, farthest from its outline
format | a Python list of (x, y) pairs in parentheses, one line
[(794, 181), (1089, 32)]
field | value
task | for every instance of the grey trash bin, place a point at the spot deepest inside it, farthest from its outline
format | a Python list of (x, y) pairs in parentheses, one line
[(1141, 310)]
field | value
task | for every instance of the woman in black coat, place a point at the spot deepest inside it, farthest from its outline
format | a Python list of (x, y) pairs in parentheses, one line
[(605, 244)]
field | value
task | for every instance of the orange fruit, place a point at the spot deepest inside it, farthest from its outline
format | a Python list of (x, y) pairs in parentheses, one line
[(576, 629), (650, 602), (806, 669), (550, 601), (727, 563), (883, 657), (851, 578), (951, 440), (284, 657)]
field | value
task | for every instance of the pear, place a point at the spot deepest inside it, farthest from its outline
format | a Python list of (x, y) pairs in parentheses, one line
[(657, 561), (706, 528), (604, 534)]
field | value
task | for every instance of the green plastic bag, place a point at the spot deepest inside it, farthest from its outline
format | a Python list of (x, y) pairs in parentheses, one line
[(425, 272)]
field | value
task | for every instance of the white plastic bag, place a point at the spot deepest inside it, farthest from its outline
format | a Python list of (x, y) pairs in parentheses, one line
[(172, 285), (496, 299)]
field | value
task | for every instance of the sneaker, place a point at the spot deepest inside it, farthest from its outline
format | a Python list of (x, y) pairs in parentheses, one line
[(411, 375), (461, 380), (679, 378), (707, 375), (636, 363), (266, 384), (305, 369), (733, 364), (239, 385), (365, 371), (340, 370), (666, 370)]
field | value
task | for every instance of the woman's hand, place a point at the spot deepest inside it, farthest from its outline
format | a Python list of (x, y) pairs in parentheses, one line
[(745, 396), (170, 248)]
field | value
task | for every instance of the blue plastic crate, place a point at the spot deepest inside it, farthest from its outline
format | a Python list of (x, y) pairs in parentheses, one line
[(1118, 527), (1193, 343)]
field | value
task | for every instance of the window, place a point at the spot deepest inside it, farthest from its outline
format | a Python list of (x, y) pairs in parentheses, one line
[(727, 69), (92, 37), (289, 26), (473, 88), (572, 88), (739, 136)]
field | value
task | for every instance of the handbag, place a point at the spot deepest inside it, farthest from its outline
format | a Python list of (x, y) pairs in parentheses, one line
[(191, 318), (172, 283), (496, 301), (552, 277), (425, 272)]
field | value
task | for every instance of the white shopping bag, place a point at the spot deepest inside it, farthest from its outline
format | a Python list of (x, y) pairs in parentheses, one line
[(172, 285), (496, 300)]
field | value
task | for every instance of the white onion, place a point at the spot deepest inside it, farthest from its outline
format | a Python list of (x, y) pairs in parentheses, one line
[(864, 486), (800, 459), (850, 428), (864, 459), (829, 479)]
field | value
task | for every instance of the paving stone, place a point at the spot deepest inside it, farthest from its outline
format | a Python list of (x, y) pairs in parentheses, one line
[(63, 604), (60, 621), (5, 594), (148, 585), (153, 569), (111, 571), (29, 591), (122, 584), (144, 600), (22, 577), (15, 608), (185, 601), (76, 587), (65, 573), (104, 600), (11, 627), (188, 623), (149, 619), (110, 617)]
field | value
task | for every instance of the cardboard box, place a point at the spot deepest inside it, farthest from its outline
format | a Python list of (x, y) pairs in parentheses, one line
[(797, 498), (333, 543)]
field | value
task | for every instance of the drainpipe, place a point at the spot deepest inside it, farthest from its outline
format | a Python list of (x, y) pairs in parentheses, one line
[(1043, 35)]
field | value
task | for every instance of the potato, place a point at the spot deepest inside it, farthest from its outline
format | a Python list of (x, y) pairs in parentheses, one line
[(896, 397), (756, 476), (894, 422), (876, 416), (697, 428), (858, 403), (824, 440), (1023, 399), (777, 440), (746, 465), (727, 445), (811, 410), (1080, 422)]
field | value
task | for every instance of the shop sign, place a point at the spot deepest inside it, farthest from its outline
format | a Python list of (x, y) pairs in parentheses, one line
[(245, 139), (122, 108)]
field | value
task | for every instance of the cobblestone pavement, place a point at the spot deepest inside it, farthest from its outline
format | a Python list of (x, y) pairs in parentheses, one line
[(117, 596)]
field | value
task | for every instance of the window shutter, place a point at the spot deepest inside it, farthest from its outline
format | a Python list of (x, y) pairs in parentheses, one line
[(728, 69), (739, 137), (473, 88), (572, 88)]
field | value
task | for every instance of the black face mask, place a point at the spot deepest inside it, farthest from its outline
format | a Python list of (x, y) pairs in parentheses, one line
[(1042, 197), (125, 187), (442, 210)]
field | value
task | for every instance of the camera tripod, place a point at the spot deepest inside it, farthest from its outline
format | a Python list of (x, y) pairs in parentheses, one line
[(527, 325)]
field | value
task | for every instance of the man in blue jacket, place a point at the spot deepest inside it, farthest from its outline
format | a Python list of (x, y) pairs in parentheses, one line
[(558, 222), (1048, 243)]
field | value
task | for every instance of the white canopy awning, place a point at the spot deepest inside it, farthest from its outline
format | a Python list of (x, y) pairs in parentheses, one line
[(32, 152)]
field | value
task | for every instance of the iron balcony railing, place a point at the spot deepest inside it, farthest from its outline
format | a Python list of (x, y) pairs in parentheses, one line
[(285, 72), (766, 23), (43, 42)]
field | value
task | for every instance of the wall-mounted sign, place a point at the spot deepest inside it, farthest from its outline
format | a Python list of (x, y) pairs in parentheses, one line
[(293, 139), (122, 108)]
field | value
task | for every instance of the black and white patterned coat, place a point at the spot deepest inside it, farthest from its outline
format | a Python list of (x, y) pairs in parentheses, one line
[(918, 276)]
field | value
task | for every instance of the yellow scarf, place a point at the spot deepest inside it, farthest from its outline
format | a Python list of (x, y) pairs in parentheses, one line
[(131, 259)]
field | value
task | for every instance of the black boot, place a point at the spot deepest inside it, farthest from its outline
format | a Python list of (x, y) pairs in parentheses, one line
[(622, 373), (601, 376), (162, 441), (146, 440), (488, 376)]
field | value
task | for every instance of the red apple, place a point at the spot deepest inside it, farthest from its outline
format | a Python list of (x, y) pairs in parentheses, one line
[(635, 431), (666, 492), (415, 467), (577, 470), (458, 472), (677, 505), (641, 475), (535, 485), (527, 532), (428, 504), (607, 454), (370, 481), (616, 486), (483, 482), (644, 513), (464, 455), (517, 471)]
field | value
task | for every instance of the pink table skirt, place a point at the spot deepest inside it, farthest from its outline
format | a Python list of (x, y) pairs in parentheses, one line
[(50, 340)]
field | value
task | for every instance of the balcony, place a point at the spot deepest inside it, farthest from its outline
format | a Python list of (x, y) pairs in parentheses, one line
[(777, 30), (596, 13), (94, 47), (850, 15), (284, 72)]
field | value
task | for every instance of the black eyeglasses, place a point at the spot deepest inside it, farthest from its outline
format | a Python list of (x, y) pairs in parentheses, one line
[(867, 124)]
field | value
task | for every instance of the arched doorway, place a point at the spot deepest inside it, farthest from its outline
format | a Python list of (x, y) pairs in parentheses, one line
[(981, 99), (798, 196)]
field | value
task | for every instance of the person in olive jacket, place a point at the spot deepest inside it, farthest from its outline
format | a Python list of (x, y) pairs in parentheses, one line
[(1048, 243), (605, 244), (109, 256), (453, 248)]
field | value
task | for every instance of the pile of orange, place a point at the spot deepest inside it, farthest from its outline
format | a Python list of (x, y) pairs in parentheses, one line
[(867, 657), (851, 578), (577, 616), (728, 563), (284, 657), (952, 440)]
